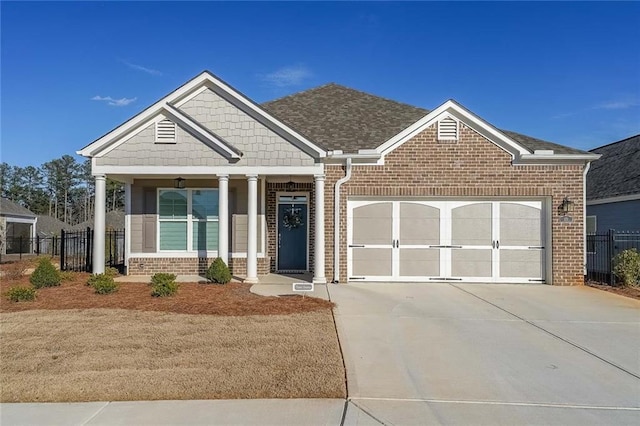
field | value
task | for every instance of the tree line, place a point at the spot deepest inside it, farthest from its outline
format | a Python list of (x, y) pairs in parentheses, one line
[(62, 188)]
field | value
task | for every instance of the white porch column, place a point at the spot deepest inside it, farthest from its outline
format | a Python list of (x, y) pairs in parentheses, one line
[(318, 264), (127, 225), (99, 224), (223, 218), (252, 230)]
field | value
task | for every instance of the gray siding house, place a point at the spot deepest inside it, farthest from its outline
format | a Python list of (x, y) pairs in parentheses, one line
[(17, 227), (613, 188)]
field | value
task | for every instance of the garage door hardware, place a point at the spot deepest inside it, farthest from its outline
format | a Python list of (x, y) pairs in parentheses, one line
[(537, 247), (445, 279), (495, 244), (356, 245), (445, 246)]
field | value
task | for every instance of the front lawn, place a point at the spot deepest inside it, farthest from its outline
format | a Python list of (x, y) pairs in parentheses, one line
[(206, 342)]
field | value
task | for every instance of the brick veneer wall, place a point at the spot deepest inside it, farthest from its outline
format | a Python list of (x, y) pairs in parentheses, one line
[(272, 212), (190, 266), (471, 167)]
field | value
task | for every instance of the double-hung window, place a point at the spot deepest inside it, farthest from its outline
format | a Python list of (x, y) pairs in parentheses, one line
[(188, 219)]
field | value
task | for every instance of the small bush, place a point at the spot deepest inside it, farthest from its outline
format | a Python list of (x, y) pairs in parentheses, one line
[(112, 272), (15, 270), (163, 284), (103, 283), (626, 266), (21, 294), (218, 272), (45, 275)]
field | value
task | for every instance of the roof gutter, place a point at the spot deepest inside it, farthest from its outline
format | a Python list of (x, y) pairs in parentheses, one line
[(336, 220), (584, 218), (555, 157)]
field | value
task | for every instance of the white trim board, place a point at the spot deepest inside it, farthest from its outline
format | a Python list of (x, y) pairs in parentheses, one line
[(618, 199), (192, 171)]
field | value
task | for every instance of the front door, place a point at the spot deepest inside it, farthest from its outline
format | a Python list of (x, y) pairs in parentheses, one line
[(293, 226)]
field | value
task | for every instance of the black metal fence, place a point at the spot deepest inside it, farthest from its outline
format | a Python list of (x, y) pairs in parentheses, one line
[(602, 248), (75, 249)]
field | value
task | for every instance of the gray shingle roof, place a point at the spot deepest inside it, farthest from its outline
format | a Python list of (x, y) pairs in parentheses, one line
[(337, 117), (8, 207), (532, 144), (49, 226), (617, 172)]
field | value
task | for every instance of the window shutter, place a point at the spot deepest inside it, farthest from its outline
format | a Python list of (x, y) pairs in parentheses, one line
[(166, 131), (448, 129)]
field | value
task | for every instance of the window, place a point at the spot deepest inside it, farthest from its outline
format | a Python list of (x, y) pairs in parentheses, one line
[(591, 231), (188, 219), (448, 129), (165, 131)]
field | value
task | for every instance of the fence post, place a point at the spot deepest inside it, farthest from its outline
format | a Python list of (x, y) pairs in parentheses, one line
[(37, 245), (612, 238), (88, 252), (62, 247)]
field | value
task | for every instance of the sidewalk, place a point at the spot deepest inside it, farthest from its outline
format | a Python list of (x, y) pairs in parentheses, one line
[(209, 412)]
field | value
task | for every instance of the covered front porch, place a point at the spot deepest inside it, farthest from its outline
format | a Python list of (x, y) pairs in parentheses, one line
[(258, 223)]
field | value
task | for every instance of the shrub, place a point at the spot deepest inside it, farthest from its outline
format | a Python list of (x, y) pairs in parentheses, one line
[(163, 284), (218, 272), (45, 275), (103, 283), (21, 293), (15, 270), (112, 272), (626, 266)]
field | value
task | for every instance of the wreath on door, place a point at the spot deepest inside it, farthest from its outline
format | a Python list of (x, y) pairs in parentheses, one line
[(292, 218)]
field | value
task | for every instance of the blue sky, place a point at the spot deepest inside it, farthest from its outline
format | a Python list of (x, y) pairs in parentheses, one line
[(564, 72)]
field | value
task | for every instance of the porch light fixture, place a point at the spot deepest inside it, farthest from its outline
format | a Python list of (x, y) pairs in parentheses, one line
[(291, 185), (178, 183), (566, 206)]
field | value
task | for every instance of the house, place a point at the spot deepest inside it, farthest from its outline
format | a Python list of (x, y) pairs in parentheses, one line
[(613, 187), (17, 227), (349, 186)]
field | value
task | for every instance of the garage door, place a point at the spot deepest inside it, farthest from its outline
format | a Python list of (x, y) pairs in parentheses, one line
[(470, 241)]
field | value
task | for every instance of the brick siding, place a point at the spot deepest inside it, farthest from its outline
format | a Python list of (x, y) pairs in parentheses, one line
[(190, 266), (471, 167)]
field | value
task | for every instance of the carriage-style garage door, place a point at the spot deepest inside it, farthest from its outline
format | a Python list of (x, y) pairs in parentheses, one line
[(471, 241)]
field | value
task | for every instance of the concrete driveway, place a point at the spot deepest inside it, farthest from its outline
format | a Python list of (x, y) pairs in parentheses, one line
[(488, 354)]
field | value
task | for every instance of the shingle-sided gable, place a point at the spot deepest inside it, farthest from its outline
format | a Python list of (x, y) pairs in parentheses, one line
[(617, 172)]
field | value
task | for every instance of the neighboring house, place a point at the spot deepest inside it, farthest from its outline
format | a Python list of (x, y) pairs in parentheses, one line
[(17, 227), (613, 187), (114, 220), (50, 226), (347, 185)]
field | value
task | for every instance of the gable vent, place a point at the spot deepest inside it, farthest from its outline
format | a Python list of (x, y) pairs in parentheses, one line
[(447, 129), (165, 131)]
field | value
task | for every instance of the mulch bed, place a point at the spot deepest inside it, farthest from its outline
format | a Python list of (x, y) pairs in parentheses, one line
[(233, 299), (632, 292)]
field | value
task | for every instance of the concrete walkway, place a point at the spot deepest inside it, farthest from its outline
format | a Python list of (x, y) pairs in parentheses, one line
[(213, 412)]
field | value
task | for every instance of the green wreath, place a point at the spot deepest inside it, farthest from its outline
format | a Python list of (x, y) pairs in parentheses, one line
[(292, 219)]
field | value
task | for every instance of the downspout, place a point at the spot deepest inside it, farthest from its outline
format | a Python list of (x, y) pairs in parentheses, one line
[(584, 218), (336, 222)]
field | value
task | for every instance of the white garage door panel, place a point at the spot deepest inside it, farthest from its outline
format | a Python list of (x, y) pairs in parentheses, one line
[(470, 241)]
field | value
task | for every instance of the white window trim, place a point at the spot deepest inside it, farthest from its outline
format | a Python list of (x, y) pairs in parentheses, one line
[(189, 219)]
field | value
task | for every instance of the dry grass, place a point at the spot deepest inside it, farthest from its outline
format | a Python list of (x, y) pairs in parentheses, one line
[(116, 354)]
